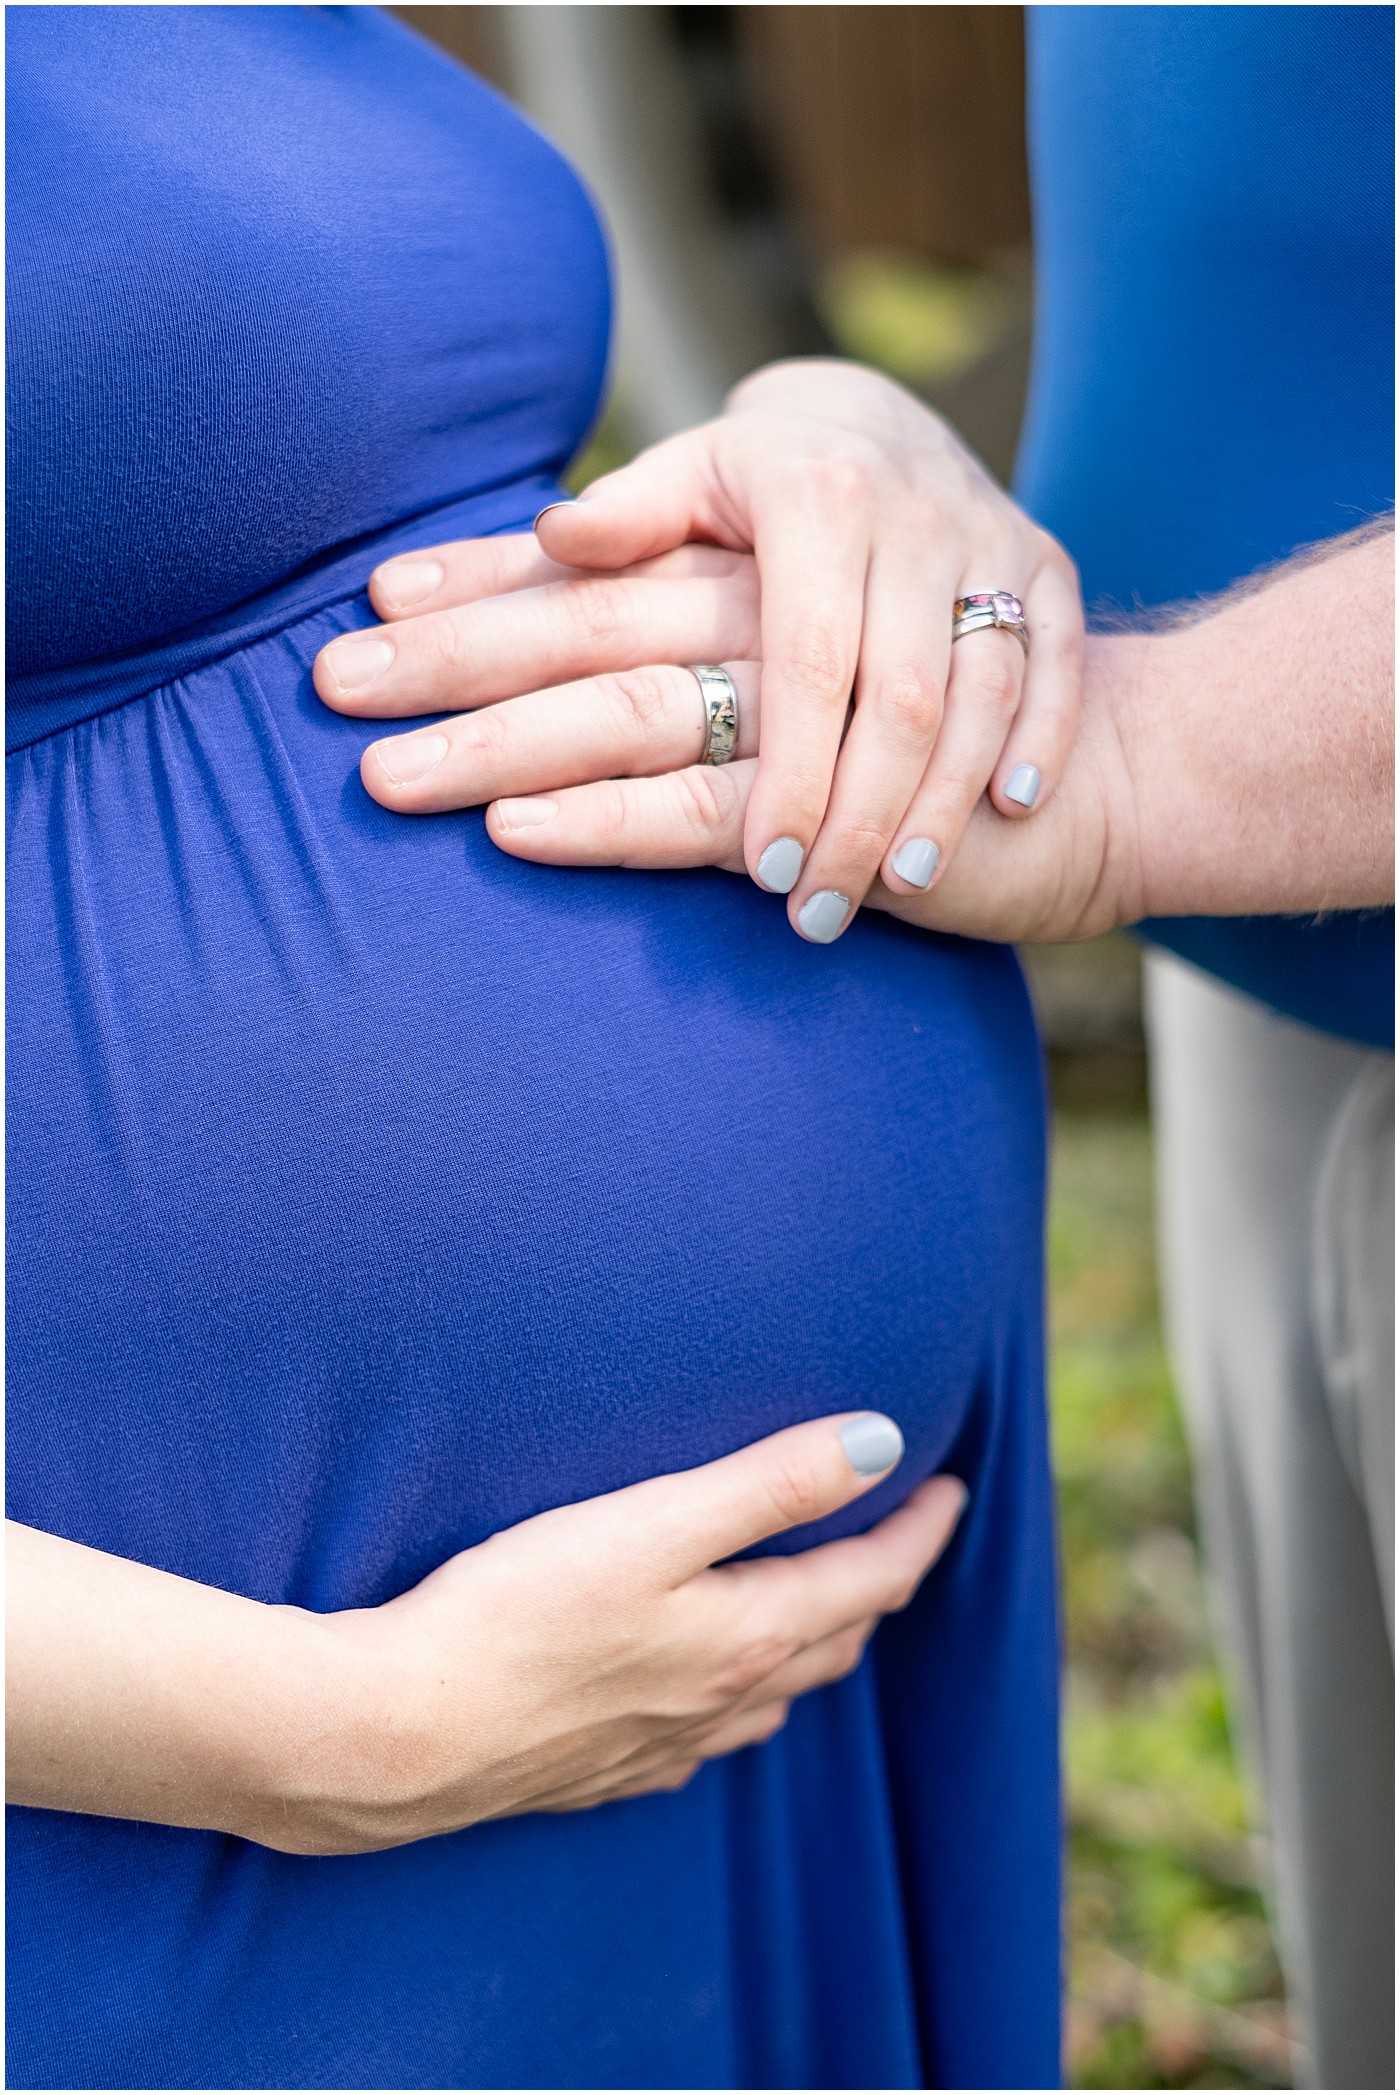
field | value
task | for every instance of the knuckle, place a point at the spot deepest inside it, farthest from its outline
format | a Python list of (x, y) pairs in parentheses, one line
[(446, 642), (818, 664), (805, 797), (997, 675), (610, 813), (1061, 651), (1054, 719), (909, 702), (706, 800), (840, 468), (759, 1653), (844, 476), (484, 734), (640, 696), (860, 843), (1008, 543), (794, 1488), (949, 798), (595, 604)]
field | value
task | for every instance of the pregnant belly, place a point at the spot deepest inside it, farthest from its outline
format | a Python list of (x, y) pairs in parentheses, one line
[(370, 1191)]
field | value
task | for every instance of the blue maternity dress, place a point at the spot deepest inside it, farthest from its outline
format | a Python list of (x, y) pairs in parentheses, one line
[(370, 1190)]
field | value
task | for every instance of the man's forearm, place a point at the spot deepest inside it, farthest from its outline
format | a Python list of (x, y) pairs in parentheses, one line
[(1259, 745)]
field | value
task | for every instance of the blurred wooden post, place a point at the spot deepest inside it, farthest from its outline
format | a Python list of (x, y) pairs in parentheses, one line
[(895, 128), (898, 127)]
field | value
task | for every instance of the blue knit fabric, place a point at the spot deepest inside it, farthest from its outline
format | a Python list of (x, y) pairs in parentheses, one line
[(1214, 368), (370, 1190)]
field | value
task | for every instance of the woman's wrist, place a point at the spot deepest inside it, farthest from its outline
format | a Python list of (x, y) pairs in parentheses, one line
[(313, 1762), (364, 1763), (132, 1693)]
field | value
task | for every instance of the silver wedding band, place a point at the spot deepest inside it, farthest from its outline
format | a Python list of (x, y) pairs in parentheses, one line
[(721, 712), (991, 609)]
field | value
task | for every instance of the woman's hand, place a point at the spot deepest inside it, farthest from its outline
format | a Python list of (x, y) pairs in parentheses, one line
[(594, 1652), (868, 519)]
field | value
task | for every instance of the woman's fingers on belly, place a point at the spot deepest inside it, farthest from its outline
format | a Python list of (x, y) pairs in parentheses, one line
[(685, 818), (829, 1589), (755, 1717), (817, 1666), (630, 723), (475, 654), (673, 1768)]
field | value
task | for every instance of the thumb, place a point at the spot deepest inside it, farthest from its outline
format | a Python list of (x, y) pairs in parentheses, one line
[(696, 1517), (664, 498)]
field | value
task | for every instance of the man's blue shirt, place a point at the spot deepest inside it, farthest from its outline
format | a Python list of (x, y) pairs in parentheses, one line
[(1214, 368)]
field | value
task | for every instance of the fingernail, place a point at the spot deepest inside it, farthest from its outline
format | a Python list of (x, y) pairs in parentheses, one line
[(525, 814), (403, 582), (780, 865), (822, 915), (355, 662), (1023, 786), (564, 502), (873, 1443), (411, 757), (916, 861)]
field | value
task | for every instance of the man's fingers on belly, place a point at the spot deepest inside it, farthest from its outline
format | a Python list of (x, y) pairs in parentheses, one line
[(466, 570), (475, 654), (413, 584), (686, 818), (632, 723)]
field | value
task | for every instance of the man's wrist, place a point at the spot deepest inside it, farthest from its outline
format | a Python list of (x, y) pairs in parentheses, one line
[(1123, 673), (1258, 746)]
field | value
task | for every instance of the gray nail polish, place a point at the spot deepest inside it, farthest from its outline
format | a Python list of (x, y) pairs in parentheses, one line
[(1023, 786), (822, 915), (780, 865), (873, 1443), (916, 861)]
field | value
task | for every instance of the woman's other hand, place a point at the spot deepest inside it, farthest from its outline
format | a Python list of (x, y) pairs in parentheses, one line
[(868, 519), (594, 1652)]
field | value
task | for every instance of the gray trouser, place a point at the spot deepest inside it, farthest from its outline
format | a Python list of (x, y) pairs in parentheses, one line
[(1275, 1163)]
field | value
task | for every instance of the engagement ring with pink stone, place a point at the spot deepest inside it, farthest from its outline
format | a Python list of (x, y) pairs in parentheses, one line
[(997, 609)]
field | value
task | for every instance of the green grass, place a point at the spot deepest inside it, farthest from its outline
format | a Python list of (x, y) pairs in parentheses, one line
[(1173, 1978)]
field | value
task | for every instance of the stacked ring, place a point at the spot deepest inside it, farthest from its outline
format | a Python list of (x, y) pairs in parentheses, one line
[(721, 712), (997, 609)]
